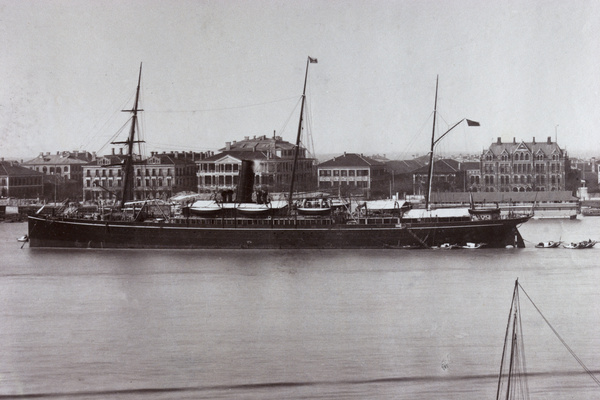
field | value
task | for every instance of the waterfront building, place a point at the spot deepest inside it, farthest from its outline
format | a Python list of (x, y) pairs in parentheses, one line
[(63, 172), (354, 173), (20, 182), (160, 176), (447, 177), (401, 172), (524, 166), (273, 164)]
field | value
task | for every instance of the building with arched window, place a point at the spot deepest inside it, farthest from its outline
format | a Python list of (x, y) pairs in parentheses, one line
[(273, 164), (523, 167)]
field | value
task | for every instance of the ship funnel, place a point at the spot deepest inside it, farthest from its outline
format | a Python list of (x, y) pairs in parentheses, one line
[(246, 183)]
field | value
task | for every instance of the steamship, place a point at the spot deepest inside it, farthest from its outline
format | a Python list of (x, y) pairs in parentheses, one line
[(266, 224)]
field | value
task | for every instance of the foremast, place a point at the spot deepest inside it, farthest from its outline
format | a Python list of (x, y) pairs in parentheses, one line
[(128, 164)]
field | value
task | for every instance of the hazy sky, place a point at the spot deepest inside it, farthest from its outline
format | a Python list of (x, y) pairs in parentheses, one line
[(216, 71)]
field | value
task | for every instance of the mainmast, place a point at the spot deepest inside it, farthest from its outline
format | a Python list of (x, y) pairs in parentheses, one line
[(430, 174), (297, 148), (128, 166)]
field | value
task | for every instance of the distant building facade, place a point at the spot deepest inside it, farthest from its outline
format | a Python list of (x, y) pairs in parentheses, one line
[(354, 173), (273, 164), (448, 176), (158, 177), (20, 182), (524, 167), (63, 172)]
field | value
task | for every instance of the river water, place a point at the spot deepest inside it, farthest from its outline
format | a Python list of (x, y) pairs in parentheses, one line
[(315, 324)]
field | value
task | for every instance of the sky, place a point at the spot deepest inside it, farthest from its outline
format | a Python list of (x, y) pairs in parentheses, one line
[(217, 71)]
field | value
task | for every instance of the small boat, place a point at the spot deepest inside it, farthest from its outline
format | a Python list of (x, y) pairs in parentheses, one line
[(586, 244), (448, 246), (471, 245), (548, 245), (261, 210), (318, 206), (512, 379), (205, 208), (23, 239)]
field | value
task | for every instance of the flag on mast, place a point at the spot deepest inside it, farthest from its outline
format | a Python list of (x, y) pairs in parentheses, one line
[(312, 60), (472, 123)]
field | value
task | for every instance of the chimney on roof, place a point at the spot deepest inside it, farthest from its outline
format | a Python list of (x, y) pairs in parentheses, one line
[(113, 151), (534, 140), (344, 154), (227, 145), (254, 136), (58, 153), (121, 151), (499, 140), (274, 136), (246, 137), (514, 140), (41, 153), (549, 139)]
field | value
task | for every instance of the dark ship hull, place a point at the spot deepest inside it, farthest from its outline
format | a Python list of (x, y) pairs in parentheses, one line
[(189, 233)]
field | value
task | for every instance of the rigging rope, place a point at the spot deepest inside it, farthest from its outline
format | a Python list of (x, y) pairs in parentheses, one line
[(590, 373), (225, 108)]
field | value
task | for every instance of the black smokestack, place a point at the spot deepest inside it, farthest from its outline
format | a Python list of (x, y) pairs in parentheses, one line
[(246, 184)]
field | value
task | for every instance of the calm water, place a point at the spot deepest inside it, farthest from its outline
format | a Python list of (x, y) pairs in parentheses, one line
[(319, 324)]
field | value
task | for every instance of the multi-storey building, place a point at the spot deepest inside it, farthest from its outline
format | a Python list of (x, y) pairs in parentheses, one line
[(20, 182), (63, 172), (355, 173), (273, 164), (448, 176), (158, 177), (523, 167)]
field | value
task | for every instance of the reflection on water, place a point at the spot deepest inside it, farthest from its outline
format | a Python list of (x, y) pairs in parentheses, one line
[(376, 324)]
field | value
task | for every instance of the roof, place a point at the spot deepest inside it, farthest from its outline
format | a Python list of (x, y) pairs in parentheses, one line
[(261, 143), (170, 158), (11, 168), (444, 166), (350, 160), (548, 147), (60, 158), (502, 197), (470, 165), (405, 166), (240, 155)]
